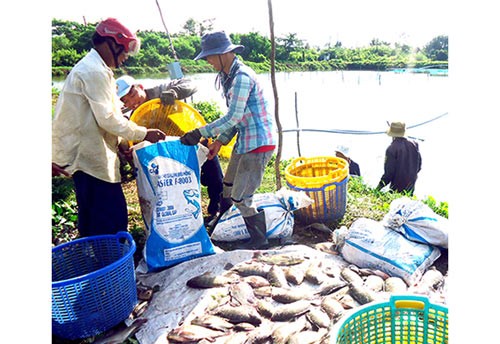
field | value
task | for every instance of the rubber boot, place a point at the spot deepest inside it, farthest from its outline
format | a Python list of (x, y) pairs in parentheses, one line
[(225, 204), (256, 226)]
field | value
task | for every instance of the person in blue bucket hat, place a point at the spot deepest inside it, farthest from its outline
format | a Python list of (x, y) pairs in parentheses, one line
[(248, 117)]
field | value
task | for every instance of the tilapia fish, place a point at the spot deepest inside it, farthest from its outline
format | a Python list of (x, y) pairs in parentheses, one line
[(212, 322), (239, 314), (362, 294), (374, 282), (283, 295), (283, 331), (318, 318), (280, 259), (351, 276), (207, 280), (307, 337), (330, 285), (276, 277), (252, 268), (295, 274), (242, 294), (256, 281), (314, 273), (332, 307), (192, 333), (289, 311), (395, 285), (120, 336)]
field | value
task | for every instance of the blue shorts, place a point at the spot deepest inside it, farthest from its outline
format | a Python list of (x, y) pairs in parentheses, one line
[(102, 207)]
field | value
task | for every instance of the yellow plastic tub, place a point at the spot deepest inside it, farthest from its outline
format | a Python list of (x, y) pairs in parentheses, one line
[(173, 120)]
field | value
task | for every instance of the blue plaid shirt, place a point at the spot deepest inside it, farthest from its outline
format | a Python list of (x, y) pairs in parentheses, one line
[(247, 115)]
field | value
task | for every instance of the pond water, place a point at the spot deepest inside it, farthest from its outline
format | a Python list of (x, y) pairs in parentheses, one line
[(355, 101)]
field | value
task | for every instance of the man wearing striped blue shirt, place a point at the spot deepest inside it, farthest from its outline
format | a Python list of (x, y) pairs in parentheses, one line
[(249, 118)]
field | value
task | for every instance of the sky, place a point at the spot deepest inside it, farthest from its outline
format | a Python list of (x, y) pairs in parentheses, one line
[(318, 22)]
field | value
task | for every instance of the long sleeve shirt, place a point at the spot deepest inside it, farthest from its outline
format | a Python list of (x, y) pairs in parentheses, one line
[(247, 114), (88, 122), (402, 164), (183, 88)]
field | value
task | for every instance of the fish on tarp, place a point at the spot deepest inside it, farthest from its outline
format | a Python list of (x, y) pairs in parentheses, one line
[(242, 294), (295, 274), (265, 308), (431, 280), (332, 307), (282, 259), (213, 322), (330, 285), (261, 333), (374, 282), (118, 336), (318, 318), (351, 276), (192, 333), (314, 273), (276, 277), (395, 285), (256, 281), (283, 331), (308, 337), (252, 268), (283, 295), (291, 310), (263, 292), (208, 280), (239, 314), (362, 294)]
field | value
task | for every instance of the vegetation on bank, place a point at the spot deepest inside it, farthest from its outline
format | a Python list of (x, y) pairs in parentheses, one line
[(72, 40)]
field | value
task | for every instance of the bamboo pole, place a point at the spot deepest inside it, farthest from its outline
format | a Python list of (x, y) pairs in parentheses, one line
[(168, 34), (298, 126), (276, 101)]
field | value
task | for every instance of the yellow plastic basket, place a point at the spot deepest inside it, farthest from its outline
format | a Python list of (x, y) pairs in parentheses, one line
[(315, 172), (404, 319), (173, 120), (324, 180)]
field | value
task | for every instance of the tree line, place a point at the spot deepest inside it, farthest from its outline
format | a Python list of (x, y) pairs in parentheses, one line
[(72, 40)]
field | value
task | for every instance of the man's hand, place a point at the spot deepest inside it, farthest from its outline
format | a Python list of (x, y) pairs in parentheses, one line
[(191, 138), (213, 149), (168, 97), (154, 135), (58, 171)]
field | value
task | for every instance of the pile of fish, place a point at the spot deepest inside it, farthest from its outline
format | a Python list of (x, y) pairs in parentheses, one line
[(287, 298)]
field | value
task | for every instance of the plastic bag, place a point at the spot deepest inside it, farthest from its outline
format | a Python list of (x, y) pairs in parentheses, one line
[(278, 208), (368, 244), (417, 222), (168, 185)]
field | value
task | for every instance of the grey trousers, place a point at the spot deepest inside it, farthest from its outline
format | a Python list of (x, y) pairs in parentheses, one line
[(243, 176)]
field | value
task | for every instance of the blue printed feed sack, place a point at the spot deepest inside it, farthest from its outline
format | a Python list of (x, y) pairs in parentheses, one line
[(168, 185)]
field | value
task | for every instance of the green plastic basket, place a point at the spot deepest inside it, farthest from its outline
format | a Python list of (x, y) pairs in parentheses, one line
[(404, 319)]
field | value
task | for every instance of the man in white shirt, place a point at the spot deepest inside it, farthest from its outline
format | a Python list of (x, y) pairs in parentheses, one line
[(88, 126)]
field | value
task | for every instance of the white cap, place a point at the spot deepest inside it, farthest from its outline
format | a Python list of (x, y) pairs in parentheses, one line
[(123, 85)]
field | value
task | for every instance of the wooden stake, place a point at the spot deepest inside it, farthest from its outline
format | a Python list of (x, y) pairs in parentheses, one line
[(276, 101)]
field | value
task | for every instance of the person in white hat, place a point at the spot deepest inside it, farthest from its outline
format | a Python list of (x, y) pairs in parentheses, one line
[(87, 129), (402, 161), (249, 117), (343, 152), (133, 94)]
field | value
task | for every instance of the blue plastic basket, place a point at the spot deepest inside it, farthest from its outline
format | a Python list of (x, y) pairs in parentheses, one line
[(330, 202), (93, 284)]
